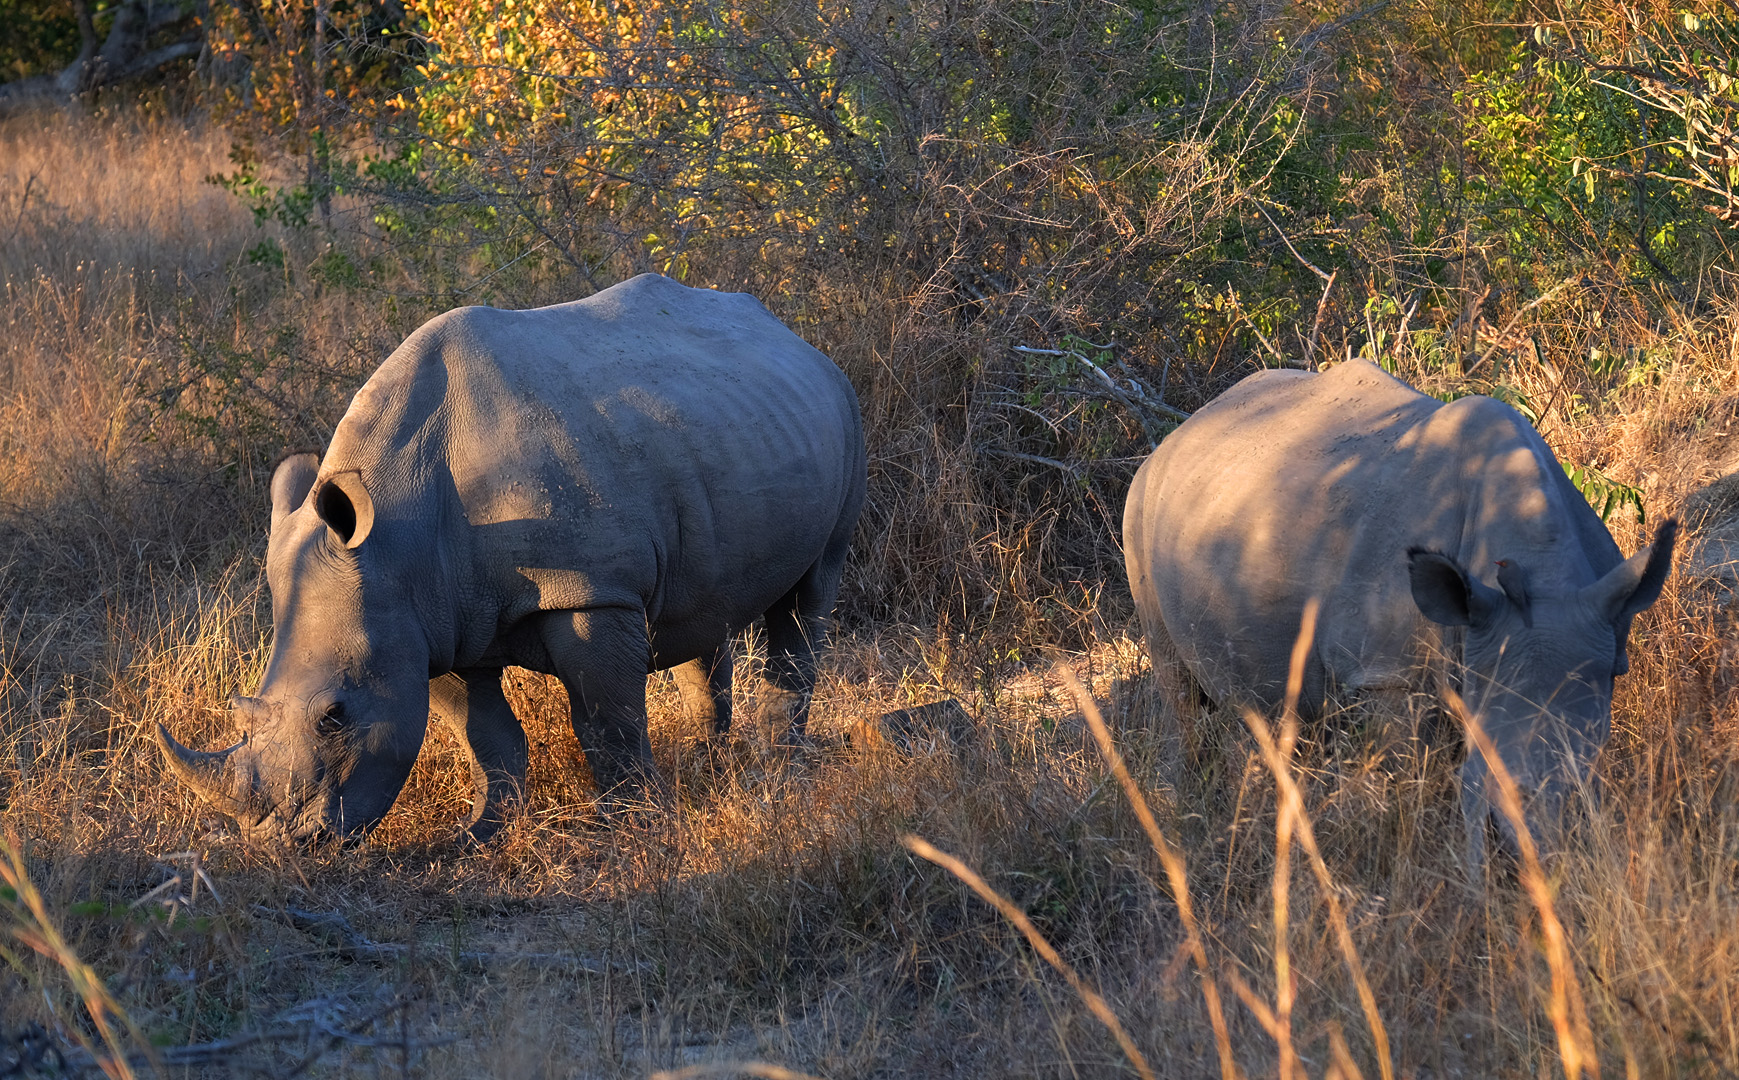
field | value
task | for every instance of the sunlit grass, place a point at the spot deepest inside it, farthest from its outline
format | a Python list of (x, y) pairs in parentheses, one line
[(772, 914)]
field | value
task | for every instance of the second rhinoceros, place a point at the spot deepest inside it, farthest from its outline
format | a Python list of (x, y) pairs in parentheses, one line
[(595, 490), (1444, 543)]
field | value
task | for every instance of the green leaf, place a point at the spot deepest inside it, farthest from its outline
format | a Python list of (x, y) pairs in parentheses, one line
[(1604, 494)]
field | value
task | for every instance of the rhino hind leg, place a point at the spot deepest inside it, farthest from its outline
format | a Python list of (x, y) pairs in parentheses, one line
[(705, 685), (602, 655), (1179, 692), (794, 625), (789, 675), (472, 704)]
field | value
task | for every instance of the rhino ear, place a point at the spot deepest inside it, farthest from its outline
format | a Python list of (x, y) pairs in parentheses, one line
[(1634, 584), (1446, 594), (290, 483), (343, 503)]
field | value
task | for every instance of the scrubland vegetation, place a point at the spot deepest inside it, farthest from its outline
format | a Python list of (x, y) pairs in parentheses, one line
[(1033, 235)]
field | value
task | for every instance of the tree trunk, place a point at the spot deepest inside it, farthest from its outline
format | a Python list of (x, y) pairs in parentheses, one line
[(126, 52)]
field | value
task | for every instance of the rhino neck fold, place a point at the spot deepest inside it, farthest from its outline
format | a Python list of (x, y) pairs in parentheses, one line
[(436, 596), (446, 594)]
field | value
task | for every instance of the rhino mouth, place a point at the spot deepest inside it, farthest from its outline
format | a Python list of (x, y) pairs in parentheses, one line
[(1552, 819), (293, 829)]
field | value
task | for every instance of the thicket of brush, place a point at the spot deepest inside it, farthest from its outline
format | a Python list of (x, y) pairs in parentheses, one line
[(1031, 235)]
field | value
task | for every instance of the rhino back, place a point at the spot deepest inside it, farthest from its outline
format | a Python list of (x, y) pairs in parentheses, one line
[(1294, 485), (656, 446)]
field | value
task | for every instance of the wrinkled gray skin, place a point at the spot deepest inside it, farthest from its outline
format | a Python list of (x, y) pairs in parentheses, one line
[(1444, 541), (595, 490)]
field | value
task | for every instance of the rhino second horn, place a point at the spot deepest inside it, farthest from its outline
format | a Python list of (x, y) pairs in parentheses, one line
[(203, 772)]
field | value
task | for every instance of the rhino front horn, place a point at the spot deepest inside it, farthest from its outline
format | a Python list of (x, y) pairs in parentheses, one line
[(203, 772)]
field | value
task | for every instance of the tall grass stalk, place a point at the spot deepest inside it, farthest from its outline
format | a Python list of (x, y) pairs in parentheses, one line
[(1095, 1003), (34, 926), (1177, 874), (1277, 755)]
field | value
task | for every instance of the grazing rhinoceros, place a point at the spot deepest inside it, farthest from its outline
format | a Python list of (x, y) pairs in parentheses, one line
[(596, 490), (1398, 512)]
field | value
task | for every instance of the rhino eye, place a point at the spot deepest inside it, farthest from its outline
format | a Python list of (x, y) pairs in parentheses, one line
[(331, 722)]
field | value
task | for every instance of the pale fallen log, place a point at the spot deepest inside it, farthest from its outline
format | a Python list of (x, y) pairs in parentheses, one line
[(351, 944)]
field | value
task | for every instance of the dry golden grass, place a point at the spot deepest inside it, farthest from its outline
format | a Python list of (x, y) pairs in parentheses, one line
[(772, 913)]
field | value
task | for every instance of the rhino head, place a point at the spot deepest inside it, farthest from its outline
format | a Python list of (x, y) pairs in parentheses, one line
[(330, 739), (1537, 675)]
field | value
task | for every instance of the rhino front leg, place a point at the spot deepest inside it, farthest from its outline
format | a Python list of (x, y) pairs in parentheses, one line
[(1475, 811), (705, 683), (602, 656), (471, 702)]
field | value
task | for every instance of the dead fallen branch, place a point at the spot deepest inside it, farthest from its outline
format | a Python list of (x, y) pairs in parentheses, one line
[(318, 1026), (938, 725), (351, 944)]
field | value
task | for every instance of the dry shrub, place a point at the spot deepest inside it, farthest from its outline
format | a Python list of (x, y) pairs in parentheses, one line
[(917, 189)]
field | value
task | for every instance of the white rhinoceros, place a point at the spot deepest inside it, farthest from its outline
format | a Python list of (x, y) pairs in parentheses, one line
[(1429, 532), (596, 490)]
